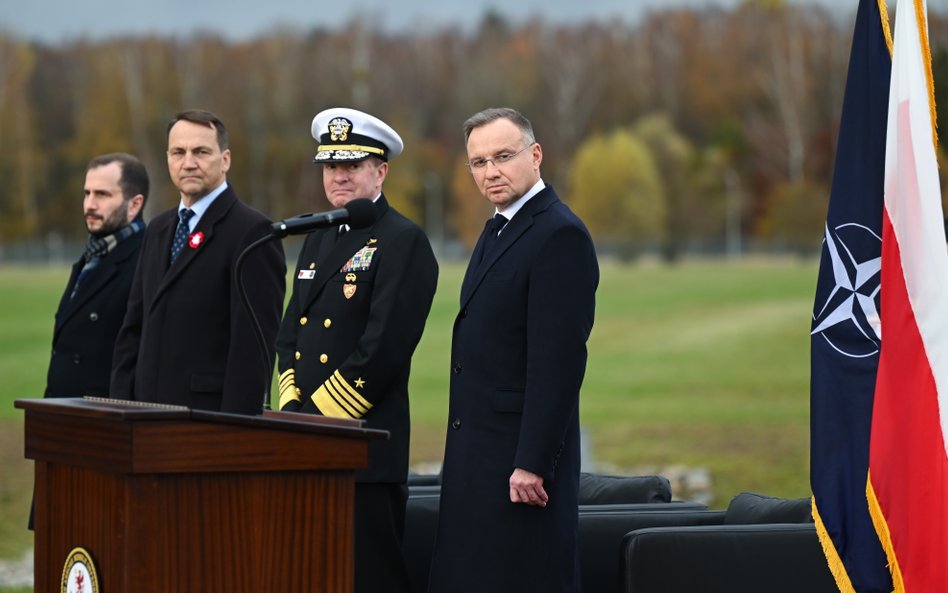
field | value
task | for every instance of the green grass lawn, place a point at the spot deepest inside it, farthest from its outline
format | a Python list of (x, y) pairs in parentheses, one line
[(700, 364)]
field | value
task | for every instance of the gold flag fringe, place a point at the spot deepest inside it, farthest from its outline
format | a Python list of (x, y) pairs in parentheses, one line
[(885, 538), (832, 556)]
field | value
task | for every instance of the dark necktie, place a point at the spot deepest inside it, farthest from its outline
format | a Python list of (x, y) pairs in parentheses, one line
[(181, 233), (494, 226)]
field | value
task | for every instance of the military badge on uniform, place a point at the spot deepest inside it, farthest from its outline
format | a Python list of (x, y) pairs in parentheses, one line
[(348, 290), (361, 261), (306, 275)]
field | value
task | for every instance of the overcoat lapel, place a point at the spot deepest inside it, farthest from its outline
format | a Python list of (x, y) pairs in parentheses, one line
[(514, 230), (91, 285), (214, 214), (94, 282), (67, 307)]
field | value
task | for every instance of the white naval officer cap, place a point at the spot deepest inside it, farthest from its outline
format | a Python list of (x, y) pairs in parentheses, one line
[(347, 135)]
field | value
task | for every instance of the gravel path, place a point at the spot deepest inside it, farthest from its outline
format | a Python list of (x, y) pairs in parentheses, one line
[(17, 573)]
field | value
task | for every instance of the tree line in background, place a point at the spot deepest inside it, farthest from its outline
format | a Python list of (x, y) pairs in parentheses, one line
[(693, 130)]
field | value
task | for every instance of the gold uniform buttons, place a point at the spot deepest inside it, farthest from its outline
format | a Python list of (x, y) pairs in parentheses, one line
[(303, 320), (298, 355), (327, 324), (323, 358)]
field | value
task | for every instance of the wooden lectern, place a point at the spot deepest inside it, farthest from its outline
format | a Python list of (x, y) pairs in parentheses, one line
[(165, 498)]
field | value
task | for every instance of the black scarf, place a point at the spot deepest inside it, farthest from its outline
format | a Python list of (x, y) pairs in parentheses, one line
[(99, 247)]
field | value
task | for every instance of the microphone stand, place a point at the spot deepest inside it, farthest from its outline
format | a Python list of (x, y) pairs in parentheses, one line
[(258, 331)]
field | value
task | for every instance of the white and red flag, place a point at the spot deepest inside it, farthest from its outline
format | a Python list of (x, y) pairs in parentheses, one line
[(908, 460)]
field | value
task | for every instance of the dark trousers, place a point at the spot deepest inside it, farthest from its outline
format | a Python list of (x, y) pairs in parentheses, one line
[(379, 527)]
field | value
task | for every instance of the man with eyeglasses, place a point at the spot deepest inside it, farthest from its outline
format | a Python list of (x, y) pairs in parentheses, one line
[(187, 338), (510, 482)]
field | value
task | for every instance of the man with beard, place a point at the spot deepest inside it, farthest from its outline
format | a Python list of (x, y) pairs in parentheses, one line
[(93, 305)]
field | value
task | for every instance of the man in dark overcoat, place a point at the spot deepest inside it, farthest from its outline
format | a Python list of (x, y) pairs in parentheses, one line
[(508, 513), (358, 308), (187, 338), (92, 307)]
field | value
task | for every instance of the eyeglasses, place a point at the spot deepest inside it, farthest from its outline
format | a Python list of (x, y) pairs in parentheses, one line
[(498, 160)]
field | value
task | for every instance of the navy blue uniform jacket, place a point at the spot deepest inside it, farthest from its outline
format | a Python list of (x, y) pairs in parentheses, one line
[(357, 312), (518, 357), (86, 325), (187, 338)]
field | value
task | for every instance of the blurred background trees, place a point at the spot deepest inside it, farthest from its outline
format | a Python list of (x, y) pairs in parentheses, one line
[(694, 131)]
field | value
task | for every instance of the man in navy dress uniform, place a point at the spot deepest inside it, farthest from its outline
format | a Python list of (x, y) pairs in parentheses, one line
[(358, 308), (509, 511)]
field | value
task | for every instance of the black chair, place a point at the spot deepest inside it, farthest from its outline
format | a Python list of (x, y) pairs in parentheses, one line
[(601, 534), (761, 544), (609, 498)]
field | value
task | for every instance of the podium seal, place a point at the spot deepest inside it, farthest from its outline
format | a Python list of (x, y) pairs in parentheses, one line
[(79, 573)]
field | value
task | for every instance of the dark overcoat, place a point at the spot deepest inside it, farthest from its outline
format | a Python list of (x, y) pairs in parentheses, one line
[(187, 338), (357, 312), (518, 357), (86, 325)]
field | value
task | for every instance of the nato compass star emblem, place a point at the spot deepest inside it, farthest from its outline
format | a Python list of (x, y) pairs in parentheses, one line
[(849, 318)]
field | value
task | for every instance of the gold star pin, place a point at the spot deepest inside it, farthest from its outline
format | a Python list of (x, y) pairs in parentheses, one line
[(359, 382)]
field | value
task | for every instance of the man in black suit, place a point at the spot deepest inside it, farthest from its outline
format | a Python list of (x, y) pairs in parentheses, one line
[(508, 515), (187, 338), (359, 304), (92, 307)]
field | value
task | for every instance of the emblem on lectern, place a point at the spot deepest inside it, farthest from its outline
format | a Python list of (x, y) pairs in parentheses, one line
[(79, 573)]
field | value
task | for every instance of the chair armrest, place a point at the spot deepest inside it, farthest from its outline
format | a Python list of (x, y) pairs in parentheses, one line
[(778, 558), (601, 533)]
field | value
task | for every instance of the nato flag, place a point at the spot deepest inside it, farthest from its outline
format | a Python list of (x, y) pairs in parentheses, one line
[(846, 334)]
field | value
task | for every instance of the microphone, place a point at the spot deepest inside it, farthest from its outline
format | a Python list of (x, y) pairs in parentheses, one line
[(357, 214)]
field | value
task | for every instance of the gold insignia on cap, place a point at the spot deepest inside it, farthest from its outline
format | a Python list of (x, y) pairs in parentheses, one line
[(339, 129)]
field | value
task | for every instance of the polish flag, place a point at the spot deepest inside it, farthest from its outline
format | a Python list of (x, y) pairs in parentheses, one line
[(908, 462)]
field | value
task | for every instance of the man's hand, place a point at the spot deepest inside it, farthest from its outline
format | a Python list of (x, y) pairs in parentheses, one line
[(527, 487)]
